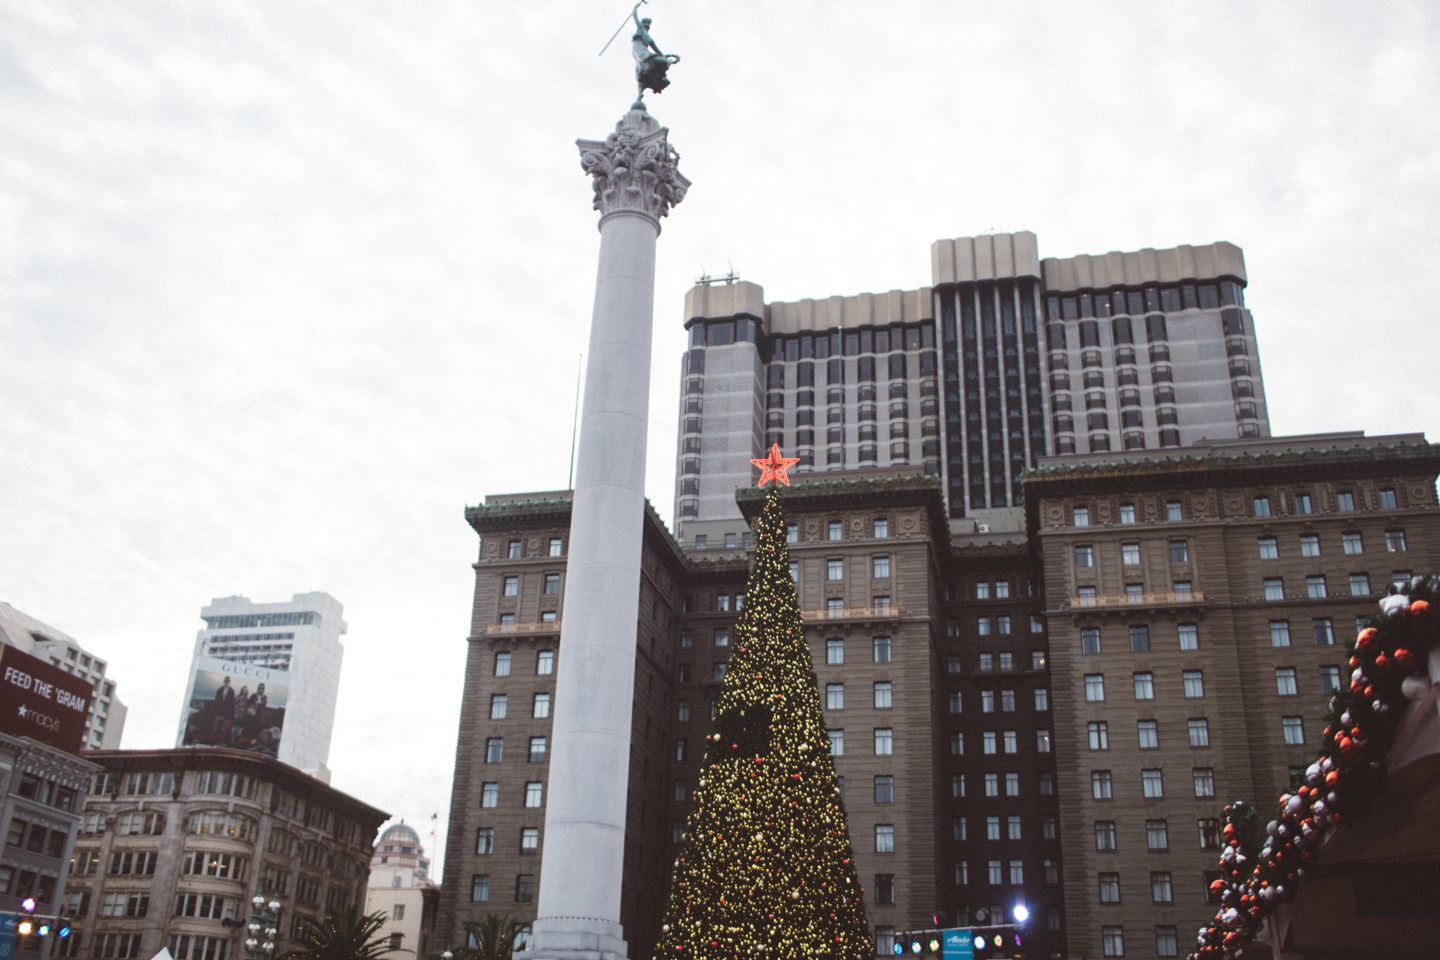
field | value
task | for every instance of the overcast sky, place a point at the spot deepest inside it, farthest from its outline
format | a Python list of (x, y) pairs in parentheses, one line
[(284, 286)]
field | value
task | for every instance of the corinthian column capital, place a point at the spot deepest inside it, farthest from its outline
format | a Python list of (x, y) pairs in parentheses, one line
[(634, 169)]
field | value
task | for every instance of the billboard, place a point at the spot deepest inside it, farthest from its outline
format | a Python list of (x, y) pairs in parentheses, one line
[(236, 705), (41, 701)]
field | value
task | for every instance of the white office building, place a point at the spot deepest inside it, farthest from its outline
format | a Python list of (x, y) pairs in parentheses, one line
[(107, 714), (282, 661)]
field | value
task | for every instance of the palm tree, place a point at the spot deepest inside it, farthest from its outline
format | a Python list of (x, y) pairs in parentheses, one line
[(347, 935), (494, 938)]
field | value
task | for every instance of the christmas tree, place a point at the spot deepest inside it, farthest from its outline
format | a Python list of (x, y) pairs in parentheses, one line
[(766, 868)]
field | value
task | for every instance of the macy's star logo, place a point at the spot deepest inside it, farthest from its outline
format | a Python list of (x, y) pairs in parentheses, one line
[(23, 710)]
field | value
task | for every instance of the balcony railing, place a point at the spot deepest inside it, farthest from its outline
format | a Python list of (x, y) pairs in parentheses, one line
[(1168, 598), (887, 612), (543, 628)]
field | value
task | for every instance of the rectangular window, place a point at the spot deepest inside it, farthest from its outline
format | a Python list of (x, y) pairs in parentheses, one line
[(881, 649), (880, 568), (489, 796), (1285, 684), (510, 587), (1109, 888), (834, 696), (513, 550), (1179, 551), (956, 701), (544, 662), (1007, 701), (1209, 829), (556, 547), (534, 794), (835, 569), (1157, 835), (524, 887), (837, 742), (552, 584), (498, 702), (1161, 888), (1167, 942), (1359, 584), (1089, 640), (884, 741), (1084, 556), (884, 838), (1094, 687), (1017, 873), (1130, 554), (1279, 633), (485, 840), (1101, 785), (540, 708), (1293, 730), (1099, 734), (1262, 506), (880, 528), (883, 695), (1194, 681), (1042, 745), (1080, 516), (494, 749), (502, 664), (1395, 541), (833, 530), (1352, 543), (1274, 588), (1174, 511), (1204, 778), (957, 785), (834, 651), (1303, 503), (1388, 500), (1012, 784), (1189, 635), (885, 789), (1268, 547), (884, 888), (987, 701), (1145, 686), (1042, 699), (957, 744), (992, 828), (1315, 587), (537, 750), (1105, 835), (1324, 630), (480, 888), (1152, 784), (529, 840), (1345, 501), (1329, 679), (1199, 729), (1139, 638), (1309, 545), (989, 742), (1127, 513), (1149, 734), (982, 626), (1011, 741)]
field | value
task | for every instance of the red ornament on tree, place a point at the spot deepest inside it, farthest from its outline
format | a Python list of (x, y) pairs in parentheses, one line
[(773, 467)]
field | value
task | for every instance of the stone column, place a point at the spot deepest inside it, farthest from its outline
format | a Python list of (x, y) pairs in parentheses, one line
[(636, 183)]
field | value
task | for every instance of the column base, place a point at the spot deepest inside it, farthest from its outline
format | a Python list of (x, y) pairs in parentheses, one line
[(574, 938)]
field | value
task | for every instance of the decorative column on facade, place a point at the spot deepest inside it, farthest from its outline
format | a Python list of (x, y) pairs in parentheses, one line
[(636, 183)]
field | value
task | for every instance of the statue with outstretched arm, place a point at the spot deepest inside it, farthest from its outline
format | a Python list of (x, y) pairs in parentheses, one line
[(651, 63)]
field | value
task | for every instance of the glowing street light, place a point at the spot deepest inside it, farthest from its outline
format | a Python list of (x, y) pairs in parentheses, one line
[(1021, 913)]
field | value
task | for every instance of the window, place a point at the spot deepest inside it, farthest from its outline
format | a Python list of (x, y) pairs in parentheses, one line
[(1140, 638), (883, 695), (1179, 551), (1149, 734), (485, 840), (1388, 500), (1012, 784), (1309, 545), (837, 742), (1174, 511), (1105, 835), (1002, 591), (1324, 630), (502, 664), (1099, 733), (1134, 593), (1047, 780), (1042, 745), (480, 888), (1293, 730), (884, 888), (880, 528), (1279, 633), (834, 696), (1262, 506), (835, 568), (1209, 829), (1352, 543), (1395, 541), (510, 587), (552, 584), (885, 789), (884, 838), (545, 662), (1161, 888), (494, 749), (956, 701), (1101, 785), (959, 829), (1085, 596), (834, 651), (1089, 640), (1109, 888), (982, 626), (992, 828), (1285, 682), (989, 743), (957, 785), (498, 703), (1011, 740), (987, 701), (1130, 554), (982, 590), (1017, 872), (489, 795), (1152, 784), (1042, 699), (881, 649), (1080, 516), (722, 636), (1274, 588), (556, 548), (1127, 513), (1329, 679), (1167, 942), (1345, 502), (1204, 778), (880, 568), (534, 794), (537, 750), (994, 872), (1007, 701), (524, 891), (1189, 635), (1157, 835), (1084, 556), (1094, 687), (529, 840), (1359, 585), (1303, 504), (1315, 587), (1199, 729), (795, 571), (1194, 681), (1269, 548)]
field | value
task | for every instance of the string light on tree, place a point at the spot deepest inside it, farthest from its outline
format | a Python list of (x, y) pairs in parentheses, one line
[(766, 868)]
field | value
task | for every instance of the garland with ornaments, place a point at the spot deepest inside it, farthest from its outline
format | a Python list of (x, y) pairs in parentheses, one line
[(1259, 870)]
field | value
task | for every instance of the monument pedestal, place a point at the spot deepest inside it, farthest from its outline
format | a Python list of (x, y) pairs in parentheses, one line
[(636, 182)]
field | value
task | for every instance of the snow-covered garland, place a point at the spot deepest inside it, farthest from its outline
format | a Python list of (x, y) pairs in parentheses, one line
[(1386, 663)]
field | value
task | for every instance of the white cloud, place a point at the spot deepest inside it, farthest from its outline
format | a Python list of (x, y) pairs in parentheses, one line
[(283, 287)]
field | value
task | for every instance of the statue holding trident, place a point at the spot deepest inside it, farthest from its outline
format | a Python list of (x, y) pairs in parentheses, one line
[(651, 63)]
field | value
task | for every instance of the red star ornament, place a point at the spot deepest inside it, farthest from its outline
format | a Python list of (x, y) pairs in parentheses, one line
[(773, 467)]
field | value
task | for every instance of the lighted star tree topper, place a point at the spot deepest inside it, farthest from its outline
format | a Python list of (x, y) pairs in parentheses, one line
[(766, 868)]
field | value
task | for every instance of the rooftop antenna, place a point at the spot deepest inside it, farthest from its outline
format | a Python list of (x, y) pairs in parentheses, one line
[(575, 421)]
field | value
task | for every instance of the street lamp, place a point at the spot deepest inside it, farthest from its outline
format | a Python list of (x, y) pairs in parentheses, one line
[(447, 955), (263, 930)]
